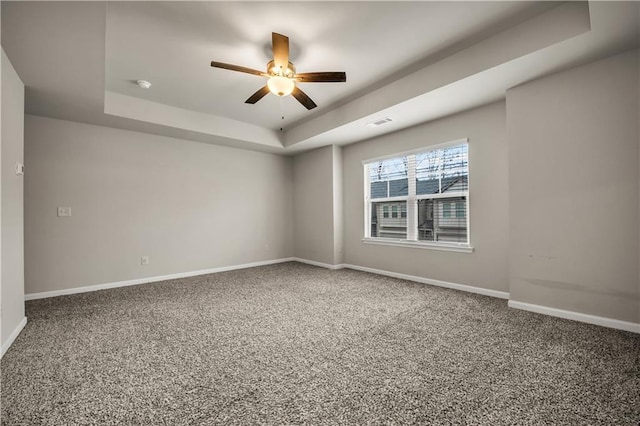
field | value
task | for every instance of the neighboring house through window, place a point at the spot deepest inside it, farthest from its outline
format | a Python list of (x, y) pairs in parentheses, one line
[(419, 197)]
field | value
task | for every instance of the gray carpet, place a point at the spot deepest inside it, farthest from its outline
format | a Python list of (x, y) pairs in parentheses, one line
[(292, 344)]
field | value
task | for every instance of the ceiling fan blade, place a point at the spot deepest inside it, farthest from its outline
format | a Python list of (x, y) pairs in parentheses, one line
[(257, 96), (303, 98), (237, 68), (280, 45), (321, 77)]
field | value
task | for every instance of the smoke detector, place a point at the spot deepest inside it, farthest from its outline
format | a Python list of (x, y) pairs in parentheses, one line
[(143, 84)]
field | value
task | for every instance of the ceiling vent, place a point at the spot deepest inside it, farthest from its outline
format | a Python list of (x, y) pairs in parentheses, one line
[(379, 122)]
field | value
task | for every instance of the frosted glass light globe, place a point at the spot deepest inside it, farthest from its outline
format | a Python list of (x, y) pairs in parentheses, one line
[(281, 86)]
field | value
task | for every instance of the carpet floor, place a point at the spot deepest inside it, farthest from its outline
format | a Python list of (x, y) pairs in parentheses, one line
[(297, 344)]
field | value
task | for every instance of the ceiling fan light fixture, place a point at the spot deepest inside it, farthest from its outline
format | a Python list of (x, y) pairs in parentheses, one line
[(281, 86), (282, 76)]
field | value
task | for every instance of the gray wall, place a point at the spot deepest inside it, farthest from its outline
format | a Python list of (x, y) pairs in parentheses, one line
[(12, 242), (574, 185), (487, 266), (541, 218), (188, 206), (313, 195)]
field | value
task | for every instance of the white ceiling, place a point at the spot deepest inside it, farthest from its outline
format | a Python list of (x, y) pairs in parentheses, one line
[(413, 61), (172, 44)]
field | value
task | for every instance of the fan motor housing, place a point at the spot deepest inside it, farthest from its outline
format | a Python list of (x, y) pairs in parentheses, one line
[(273, 70)]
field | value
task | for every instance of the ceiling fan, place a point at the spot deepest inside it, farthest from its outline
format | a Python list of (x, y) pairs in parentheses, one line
[(282, 75)]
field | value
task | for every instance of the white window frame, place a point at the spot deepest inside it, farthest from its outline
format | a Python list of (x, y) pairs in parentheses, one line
[(412, 204)]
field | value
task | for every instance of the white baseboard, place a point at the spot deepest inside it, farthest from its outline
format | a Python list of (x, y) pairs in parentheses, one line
[(576, 316), (455, 286), (75, 290), (320, 264), (12, 337), (446, 284), (590, 319)]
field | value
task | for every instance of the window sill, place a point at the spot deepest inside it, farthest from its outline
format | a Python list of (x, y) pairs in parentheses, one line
[(461, 248)]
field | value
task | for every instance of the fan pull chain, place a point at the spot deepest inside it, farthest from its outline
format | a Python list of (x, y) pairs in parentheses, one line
[(282, 110)]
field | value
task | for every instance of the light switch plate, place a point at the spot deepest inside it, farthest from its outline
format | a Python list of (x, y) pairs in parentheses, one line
[(64, 211)]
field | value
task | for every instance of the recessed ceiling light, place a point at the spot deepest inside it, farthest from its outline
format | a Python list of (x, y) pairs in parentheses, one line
[(144, 84)]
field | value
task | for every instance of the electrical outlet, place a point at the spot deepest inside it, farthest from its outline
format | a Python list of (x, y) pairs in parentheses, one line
[(144, 260), (64, 211)]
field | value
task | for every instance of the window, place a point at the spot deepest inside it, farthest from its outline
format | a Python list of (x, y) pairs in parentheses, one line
[(446, 210), (419, 197)]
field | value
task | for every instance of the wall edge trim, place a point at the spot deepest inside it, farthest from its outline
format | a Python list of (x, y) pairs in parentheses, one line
[(126, 283), (13, 336), (422, 280), (576, 316), (545, 310), (320, 264), (438, 283)]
